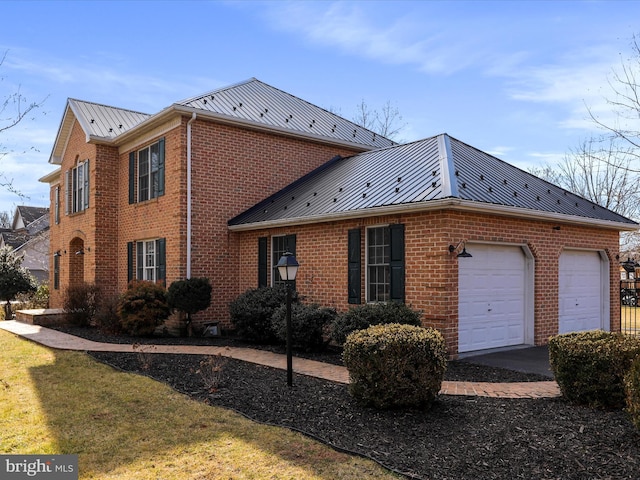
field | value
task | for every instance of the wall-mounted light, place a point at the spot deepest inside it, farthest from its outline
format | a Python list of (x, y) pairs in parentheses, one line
[(80, 252), (463, 253), (57, 254)]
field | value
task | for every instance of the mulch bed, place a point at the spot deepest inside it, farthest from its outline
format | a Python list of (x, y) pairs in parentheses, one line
[(458, 438)]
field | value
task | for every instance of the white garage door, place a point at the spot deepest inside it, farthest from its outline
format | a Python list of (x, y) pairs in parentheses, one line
[(580, 291), (491, 292)]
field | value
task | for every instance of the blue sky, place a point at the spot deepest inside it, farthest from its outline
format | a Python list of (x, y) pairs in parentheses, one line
[(513, 78)]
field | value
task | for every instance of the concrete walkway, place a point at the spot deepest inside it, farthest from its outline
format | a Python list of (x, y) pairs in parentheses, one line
[(64, 341)]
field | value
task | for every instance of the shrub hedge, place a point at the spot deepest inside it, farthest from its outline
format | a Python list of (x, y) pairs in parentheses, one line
[(143, 307), (308, 325), (252, 310), (632, 391), (590, 367), (364, 316), (395, 365)]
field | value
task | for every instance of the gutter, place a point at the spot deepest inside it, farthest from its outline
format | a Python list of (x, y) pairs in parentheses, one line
[(189, 227), (455, 204)]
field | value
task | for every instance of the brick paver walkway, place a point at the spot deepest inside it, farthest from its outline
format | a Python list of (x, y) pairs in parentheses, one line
[(64, 341)]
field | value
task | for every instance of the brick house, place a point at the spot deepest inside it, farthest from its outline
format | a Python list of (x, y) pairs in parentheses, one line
[(149, 196), (222, 184)]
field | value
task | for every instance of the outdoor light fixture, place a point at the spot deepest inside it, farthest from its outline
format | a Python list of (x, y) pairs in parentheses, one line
[(288, 269), (463, 253), (80, 252), (57, 254)]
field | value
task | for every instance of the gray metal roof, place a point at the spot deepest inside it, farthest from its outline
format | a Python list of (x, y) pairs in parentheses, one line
[(104, 121), (255, 101), (417, 175)]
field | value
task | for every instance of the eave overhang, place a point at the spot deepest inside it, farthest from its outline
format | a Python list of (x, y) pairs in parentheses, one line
[(442, 204)]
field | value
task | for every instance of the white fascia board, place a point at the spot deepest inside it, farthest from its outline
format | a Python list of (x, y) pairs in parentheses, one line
[(442, 204)]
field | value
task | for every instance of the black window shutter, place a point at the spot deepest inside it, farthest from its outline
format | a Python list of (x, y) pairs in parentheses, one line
[(263, 262), (85, 200), (396, 263), (161, 167), (161, 260), (129, 261), (355, 266), (290, 243), (132, 177)]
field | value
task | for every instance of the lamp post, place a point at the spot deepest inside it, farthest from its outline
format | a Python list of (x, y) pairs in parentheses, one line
[(288, 269)]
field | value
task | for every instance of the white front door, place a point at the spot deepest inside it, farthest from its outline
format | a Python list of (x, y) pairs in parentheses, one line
[(580, 291), (491, 292)]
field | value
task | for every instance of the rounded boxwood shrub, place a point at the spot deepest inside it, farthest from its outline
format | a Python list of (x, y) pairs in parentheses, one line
[(308, 325), (590, 366), (251, 313), (632, 391), (143, 307), (395, 365), (364, 316)]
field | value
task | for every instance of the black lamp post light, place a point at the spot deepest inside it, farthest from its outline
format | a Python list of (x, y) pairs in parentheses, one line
[(288, 269)]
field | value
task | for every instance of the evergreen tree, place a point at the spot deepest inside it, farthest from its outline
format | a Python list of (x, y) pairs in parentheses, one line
[(14, 279)]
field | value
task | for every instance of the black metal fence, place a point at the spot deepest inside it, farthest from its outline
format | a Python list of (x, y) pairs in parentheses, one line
[(629, 317)]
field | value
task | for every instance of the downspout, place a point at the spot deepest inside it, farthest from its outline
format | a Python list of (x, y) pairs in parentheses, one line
[(193, 117)]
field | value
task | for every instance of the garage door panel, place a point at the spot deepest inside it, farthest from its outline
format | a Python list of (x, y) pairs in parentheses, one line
[(580, 291), (491, 298)]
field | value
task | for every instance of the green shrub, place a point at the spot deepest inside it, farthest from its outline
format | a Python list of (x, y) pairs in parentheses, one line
[(251, 312), (81, 303), (36, 299), (632, 392), (364, 316), (143, 307), (308, 325), (190, 296), (395, 365), (590, 366)]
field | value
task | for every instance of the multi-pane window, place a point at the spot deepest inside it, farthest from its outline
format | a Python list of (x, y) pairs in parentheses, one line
[(147, 261), (56, 209), (150, 171), (279, 246), (77, 188), (378, 264)]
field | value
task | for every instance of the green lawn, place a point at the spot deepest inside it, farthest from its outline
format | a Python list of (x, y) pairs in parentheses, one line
[(630, 319), (126, 426)]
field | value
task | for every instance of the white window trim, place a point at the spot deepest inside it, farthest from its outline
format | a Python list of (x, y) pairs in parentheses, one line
[(366, 261)]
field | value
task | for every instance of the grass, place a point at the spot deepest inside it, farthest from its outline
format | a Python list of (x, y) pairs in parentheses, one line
[(630, 319), (126, 426)]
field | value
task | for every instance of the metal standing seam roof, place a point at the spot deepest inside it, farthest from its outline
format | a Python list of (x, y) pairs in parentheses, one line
[(104, 121), (260, 103), (416, 174), (252, 102)]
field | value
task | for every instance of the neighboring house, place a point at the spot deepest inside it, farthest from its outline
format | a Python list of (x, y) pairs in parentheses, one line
[(29, 238), (221, 185)]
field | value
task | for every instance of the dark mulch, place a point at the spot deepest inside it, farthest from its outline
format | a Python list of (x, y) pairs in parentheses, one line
[(458, 438)]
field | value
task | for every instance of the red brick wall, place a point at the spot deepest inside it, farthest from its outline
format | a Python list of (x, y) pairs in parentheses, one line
[(233, 169), (431, 273)]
